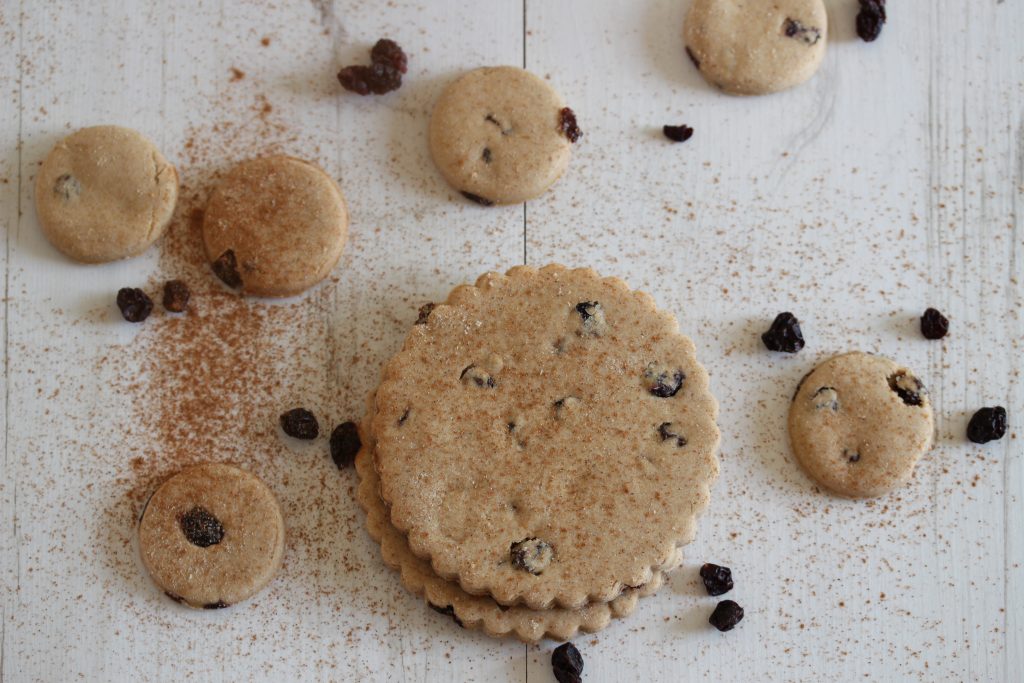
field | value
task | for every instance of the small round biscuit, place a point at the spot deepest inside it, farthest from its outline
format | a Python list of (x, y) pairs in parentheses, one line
[(497, 137), (275, 226), (212, 536), (859, 423), (752, 47), (105, 193)]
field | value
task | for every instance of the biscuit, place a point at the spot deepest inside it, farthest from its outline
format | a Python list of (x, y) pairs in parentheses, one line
[(105, 193), (212, 536), (547, 437), (859, 423), (752, 47), (275, 226), (496, 135), (475, 611)]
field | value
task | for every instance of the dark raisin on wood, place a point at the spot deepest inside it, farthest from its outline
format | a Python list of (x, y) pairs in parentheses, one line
[(482, 201), (808, 34), (487, 155), (447, 611), (531, 555), (663, 383), (934, 325), (567, 664), (345, 444), (784, 335), (909, 388), (717, 579), (870, 19), (677, 133), (378, 78), (668, 431), (693, 57), (201, 528), (67, 187), (135, 305), (988, 424), (726, 615), (176, 296), (567, 124), (220, 604), (300, 423), (226, 268), (425, 311), (387, 51)]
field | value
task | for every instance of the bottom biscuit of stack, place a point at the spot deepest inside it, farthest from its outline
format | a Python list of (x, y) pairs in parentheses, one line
[(480, 611)]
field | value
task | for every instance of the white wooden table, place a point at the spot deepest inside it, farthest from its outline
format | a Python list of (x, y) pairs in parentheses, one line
[(892, 181)]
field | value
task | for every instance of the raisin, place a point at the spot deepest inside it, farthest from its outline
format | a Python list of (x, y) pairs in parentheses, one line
[(487, 155), (404, 417), (531, 555), (447, 611), (677, 133), (693, 57), (663, 383), (726, 615), (345, 443), (717, 579), (668, 430), (870, 19), (808, 34), (482, 201), (425, 311), (826, 397), (226, 268), (355, 79), (567, 124), (934, 325), (851, 456), (134, 304), (201, 528), (67, 187), (592, 322), (220, 604), (378, 78), (567, 664), (387, 51), (909, 388), (176, 296), (477, 376), (300, 424), (504, 131), (988, 424), (784, 335)]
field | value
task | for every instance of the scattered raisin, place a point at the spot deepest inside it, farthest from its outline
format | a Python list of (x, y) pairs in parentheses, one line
[(668, 430), (300, 424), (176, 296), (693, 57), (592, 322), (988, 424), (567, 124), (201, 528), (726, 615), (67, 187), (447, 611), (377, 78), (808, 34), (531, 555), (934, 325), (477, 376), (717, 579), (134, 304), (387, 51), (567, 664), (226, 268), (870, 19), (482, 201), (826, 397), (663, 383), (220, 604), (784, 335), (425, 311), (677, 133), (907, 387), (345, 443)]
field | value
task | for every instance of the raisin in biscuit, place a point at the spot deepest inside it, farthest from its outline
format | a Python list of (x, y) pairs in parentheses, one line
[(476, 611), (275, 226), (105, 193), (754, 47), (496, 135), (547, 437), (212, 536), (858, 424)]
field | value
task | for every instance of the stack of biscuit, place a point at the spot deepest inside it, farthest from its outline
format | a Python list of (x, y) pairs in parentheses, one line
[(538, 452)]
